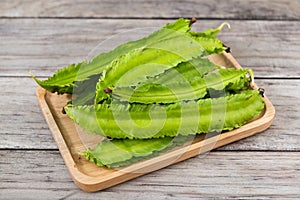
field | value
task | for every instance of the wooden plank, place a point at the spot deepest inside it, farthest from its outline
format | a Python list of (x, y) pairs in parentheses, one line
[(21, 121), (233, 9), (23, 125), (271, 48), (234, 175)]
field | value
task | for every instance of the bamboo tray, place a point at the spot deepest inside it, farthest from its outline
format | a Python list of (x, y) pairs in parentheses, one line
[(90, 177)]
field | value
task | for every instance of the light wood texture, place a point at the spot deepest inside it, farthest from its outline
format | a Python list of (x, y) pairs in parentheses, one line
[(90, 177), (270, 48), (252, 9), (218, 175)]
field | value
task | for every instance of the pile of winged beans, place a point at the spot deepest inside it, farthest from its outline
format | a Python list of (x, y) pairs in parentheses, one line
[(155, 93)]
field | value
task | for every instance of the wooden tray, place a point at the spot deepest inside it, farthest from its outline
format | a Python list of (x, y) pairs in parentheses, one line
[(90, 177)]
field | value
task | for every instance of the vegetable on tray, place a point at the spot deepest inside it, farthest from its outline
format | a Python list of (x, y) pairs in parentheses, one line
[(153, 94)]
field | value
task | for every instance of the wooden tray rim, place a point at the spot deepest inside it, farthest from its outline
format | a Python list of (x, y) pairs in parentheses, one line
[(91, 184)]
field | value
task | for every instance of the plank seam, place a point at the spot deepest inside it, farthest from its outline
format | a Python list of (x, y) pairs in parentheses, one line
[(216, 150), (154, 18)]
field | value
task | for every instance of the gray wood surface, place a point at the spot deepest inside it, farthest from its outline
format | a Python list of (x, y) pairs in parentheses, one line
[(42, 36), (270, 48), (235, 9), (217, 175)]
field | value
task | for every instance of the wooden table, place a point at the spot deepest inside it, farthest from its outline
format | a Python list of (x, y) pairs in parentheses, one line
[(42, 36)]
